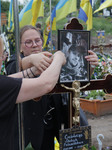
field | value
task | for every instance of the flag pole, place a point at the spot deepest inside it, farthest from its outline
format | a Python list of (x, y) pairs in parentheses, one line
[(17, 46), (43, 17), (50, 25)]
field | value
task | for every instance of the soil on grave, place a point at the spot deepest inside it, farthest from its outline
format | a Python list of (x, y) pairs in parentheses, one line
[(100, 125)]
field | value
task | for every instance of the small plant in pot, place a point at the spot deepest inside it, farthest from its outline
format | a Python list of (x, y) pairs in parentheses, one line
[(95, 94)]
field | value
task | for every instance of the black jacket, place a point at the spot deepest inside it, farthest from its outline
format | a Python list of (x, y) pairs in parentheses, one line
[(40, 127)]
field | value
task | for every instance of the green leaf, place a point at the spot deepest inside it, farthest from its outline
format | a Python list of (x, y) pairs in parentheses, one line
[(29, 147), (93, 148)]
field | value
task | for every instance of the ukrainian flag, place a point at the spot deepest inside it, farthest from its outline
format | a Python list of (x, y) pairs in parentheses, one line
[(65, 7), (10, 16), (105, 4), (47, 36), (30, 13), (85, 13), (53, 19), (62, 9)]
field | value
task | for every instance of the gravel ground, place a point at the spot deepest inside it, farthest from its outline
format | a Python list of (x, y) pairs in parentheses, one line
[(101, 125)]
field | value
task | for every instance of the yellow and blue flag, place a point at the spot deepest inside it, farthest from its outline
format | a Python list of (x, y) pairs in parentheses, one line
[(85, 13), (107, 3), (10, 16), (30, 12), (53, 19), (62, 9), (47, 35), (65, 7)]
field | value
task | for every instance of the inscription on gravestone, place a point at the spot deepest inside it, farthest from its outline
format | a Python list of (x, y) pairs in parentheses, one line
[(75, 138)]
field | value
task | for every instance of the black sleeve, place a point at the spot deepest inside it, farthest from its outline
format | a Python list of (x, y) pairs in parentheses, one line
[(10, 66), (9, 90)]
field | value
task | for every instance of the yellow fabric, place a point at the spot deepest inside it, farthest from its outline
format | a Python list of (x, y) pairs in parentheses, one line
[(105, 4), (29, 14), (46, 33), (86, 13), (35, 10), (10, 16), (41, 12), (69, 7), (56, 144)]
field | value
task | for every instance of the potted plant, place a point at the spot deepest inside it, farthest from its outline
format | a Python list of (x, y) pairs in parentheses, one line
[(95, 101)]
